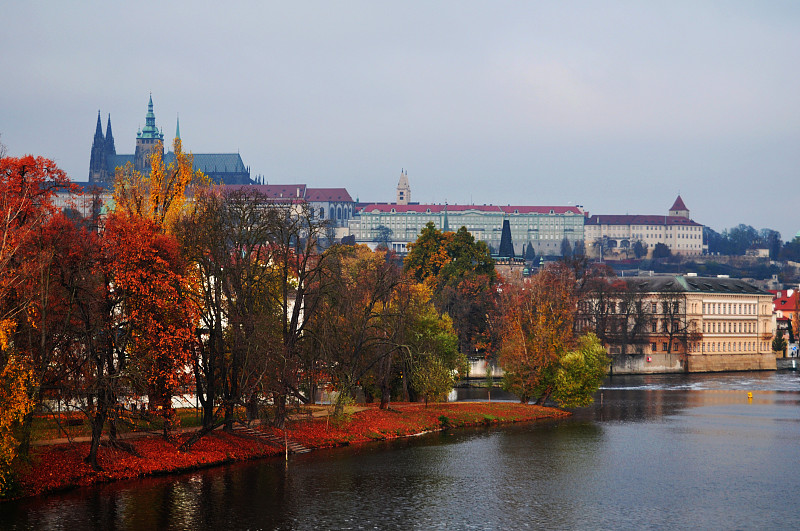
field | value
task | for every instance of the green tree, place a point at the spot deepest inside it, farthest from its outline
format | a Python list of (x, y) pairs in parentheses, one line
[(639, 249), (661, 251), (779, 344), (579, 373), (461, 275)]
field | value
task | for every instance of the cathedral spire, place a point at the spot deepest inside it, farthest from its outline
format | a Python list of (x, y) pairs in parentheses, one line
[(98, 132), (110, 148), (150, 130), (178, 127)]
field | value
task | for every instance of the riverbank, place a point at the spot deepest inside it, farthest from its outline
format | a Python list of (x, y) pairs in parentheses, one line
[(55, 467)]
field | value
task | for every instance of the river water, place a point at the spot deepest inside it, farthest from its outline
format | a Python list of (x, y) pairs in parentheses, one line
[(654, 452)]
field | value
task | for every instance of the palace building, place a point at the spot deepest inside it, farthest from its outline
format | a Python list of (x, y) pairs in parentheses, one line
[(618, 232), (544, 227)]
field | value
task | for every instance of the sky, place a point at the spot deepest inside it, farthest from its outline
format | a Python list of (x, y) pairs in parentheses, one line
[(616, 106)]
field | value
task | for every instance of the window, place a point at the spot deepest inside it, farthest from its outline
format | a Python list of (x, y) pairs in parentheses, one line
[(664, 346), (653, 347)]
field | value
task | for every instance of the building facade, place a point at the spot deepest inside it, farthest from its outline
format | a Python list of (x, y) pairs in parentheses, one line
[(544, 227), (683, 324), (332, 204), (225, 168), (616, 234)]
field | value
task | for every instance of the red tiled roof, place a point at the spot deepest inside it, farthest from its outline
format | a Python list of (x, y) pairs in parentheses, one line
[(437, 209), (328, 194), (625, 219), (786, 300), (678, 204)]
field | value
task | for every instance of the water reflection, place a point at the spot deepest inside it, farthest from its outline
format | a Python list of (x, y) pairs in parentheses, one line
[(659, 452)]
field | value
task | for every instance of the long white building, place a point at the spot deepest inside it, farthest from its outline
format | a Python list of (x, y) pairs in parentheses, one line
[(542, 226)]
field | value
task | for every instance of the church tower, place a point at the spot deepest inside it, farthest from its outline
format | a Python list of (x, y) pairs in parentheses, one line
[(111, 150), (147, 140), (97, 162), (679, 209), (403, 189)]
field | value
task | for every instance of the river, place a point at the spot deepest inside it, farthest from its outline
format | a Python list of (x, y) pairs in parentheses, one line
[(654, 452)]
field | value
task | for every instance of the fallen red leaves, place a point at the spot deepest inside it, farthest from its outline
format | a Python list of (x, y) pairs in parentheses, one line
[(61, 466)]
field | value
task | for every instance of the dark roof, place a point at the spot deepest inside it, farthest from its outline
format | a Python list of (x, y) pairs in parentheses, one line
[(208, 163), (437, 209), (678, 204), (625, 219), (681, 283)]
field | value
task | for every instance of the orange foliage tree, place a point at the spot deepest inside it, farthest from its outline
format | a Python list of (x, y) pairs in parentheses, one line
[(27, 188), (537, 328), (148, 273)]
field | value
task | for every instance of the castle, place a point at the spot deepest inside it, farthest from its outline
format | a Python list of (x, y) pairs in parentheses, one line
[(224, 168)]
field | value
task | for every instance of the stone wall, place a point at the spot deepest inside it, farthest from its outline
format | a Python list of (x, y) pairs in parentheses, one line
[(647, 363), (731, 362)]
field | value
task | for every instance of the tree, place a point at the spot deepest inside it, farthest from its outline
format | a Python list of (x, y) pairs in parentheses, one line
[(566, 249), (27, 188), (779, 344), (772, 239), (161, 195), (675, 325), (15, 380), (461, 274), (639, 249), (230, 241), (537, 330), (580, 373), (383, 236), (530, 253), (147, 273), (661, 251), (351, 327), (434, 357)]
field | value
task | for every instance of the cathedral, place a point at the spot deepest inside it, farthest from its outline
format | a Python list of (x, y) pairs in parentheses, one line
[(222, 168)]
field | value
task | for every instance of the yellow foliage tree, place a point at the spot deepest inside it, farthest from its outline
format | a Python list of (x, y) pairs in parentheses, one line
[(162, 195), (15, 378)]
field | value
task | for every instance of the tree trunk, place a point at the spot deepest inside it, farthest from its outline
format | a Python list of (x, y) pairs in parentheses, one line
[(386, 396), (97, 421), (280, 412)]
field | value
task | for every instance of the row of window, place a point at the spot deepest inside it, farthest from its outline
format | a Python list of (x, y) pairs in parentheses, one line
[(737, 327), (729, 308)]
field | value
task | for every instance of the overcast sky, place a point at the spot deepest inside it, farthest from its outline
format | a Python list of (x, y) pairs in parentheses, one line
[(616, 106)]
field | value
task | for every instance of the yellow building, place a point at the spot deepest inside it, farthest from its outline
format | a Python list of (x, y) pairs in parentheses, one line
[(681, 324)]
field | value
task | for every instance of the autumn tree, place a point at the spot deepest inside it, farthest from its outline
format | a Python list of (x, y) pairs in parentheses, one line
[(460, 272), (229, 241), (351, 330), (148, 273), (541, 355), (257, 265), (537, 330), (27, 189), (434, 359), (161, 195)]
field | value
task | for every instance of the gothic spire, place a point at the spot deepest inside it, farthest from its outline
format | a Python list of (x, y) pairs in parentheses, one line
[(98, 132), (110, 138), (178, 128)]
